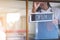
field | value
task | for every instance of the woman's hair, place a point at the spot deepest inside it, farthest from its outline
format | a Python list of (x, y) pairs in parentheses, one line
[(39, 8)]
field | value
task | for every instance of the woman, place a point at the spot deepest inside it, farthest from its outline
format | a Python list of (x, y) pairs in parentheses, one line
[(46, 30), (2, 32)]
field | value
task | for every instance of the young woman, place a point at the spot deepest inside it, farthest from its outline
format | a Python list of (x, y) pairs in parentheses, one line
[(46, 30)]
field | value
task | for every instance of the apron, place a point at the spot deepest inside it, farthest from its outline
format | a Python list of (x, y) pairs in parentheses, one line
[(46, 30)]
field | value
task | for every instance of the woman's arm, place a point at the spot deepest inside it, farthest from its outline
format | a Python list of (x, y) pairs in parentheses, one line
[(35, 6)]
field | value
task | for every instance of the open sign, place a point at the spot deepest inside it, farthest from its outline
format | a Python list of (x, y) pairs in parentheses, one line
[(42, 17)]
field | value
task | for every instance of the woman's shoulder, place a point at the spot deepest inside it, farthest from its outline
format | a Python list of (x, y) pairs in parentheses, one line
[(56, 9), (56, 12)]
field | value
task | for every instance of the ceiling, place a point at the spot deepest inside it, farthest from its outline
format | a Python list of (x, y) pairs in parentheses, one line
[(46, 0), (12, 0)]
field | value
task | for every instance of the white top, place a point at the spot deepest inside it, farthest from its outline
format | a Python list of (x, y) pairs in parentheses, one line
[(56, 12), (48, 10)]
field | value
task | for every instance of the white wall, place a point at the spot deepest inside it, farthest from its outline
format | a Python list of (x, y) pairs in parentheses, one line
[(12, 7)]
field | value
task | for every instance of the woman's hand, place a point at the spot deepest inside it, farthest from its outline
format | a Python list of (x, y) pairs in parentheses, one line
[(55, 21), (36, 5)]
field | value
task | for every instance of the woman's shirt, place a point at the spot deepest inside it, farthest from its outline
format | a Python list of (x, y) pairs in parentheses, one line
[(56, 12), (47, 30)]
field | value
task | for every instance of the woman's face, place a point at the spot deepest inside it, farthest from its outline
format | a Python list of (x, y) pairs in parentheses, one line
[(43, 5)]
